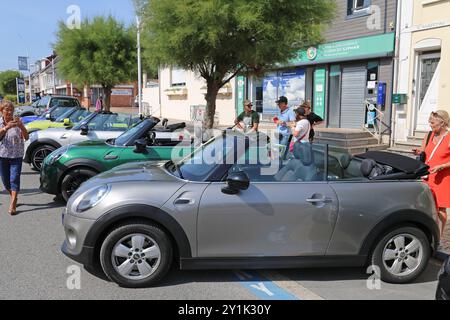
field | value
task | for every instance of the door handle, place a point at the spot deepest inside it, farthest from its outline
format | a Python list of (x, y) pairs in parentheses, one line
[(111, 157), (182, 201), (321, 200)]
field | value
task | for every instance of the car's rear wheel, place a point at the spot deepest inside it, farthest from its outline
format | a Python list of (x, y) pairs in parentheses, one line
[(402, 254), (39, 154), (136, 255), (73, 180)]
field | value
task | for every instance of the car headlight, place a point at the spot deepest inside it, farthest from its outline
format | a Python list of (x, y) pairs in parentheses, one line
[(91, 198), (56, 155)]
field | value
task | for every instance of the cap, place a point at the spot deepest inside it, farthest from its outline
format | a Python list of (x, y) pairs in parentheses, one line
[(248, 103), (282, 99)]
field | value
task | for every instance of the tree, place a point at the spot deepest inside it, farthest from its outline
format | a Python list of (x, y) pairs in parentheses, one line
[(102, 51), (218, 39), (8, 83)]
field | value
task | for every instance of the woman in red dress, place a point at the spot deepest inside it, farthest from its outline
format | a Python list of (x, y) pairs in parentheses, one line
[(438, 158)]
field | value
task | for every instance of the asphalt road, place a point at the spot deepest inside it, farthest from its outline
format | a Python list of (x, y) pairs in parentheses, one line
[(32, 267)]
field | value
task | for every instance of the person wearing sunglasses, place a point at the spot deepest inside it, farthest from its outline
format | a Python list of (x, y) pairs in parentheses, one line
[(248, 121), (435, 151)]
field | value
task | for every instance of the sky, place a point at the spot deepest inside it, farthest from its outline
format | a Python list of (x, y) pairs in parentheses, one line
[(30, 25)]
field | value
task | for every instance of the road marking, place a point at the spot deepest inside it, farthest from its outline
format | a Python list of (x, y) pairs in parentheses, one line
[(290, 286), (263, 288)]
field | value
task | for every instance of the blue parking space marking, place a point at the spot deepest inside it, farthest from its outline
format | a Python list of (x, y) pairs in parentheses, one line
[(262, 288)]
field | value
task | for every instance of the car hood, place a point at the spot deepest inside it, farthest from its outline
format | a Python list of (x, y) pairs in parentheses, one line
[(131, 172)]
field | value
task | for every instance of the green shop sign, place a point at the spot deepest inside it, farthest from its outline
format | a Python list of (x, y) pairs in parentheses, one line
[(362, 48), (319, 92), (240, 88)]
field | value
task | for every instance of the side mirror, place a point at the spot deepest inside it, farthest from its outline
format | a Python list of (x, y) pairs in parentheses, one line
[(151, 138), (141, 146), (165, 122), (237, 181), (84, 130), (67, 122), (48, 116)]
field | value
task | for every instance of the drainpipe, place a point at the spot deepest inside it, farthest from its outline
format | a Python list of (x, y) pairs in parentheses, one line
[(396, 68)]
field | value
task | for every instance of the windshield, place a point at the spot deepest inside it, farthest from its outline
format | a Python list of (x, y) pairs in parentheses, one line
[(43, 102), (125, 137), (201, 163), (106, 122), (59, 111)]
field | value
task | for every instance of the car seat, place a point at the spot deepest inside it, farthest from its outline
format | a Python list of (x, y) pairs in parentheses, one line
[(370, 169)]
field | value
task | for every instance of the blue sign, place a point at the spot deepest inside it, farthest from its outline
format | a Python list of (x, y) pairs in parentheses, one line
[(381, 97), (23, 64), (289, 83)]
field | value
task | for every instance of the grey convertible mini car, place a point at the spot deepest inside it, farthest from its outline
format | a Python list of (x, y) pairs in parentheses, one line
[(254, 208)]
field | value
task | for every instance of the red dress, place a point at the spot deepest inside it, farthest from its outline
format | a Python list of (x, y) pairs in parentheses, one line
[(440, 182)]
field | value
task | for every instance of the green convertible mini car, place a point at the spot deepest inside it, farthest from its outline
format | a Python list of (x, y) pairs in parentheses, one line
[(64, 170)]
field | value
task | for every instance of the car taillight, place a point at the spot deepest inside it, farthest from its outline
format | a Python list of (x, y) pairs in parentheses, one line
[(181, 138)]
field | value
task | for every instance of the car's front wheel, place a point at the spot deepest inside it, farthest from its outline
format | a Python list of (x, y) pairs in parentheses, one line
[(39, 154), (402, 254), (136, 255), (73, 180)]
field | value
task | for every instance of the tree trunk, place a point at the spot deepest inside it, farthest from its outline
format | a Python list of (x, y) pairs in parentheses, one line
[(211, 97), (107, 101)]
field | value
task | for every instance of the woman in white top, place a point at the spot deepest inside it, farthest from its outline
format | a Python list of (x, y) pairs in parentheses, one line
[(303, 126)]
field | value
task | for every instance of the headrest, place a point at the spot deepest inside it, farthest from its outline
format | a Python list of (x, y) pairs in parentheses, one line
[(367, 166), (345, 160), (304, 152)]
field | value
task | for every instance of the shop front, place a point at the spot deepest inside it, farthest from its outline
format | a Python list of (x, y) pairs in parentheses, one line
[(346, 82)]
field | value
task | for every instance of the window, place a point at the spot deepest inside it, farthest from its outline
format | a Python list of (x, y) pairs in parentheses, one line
[(177, 77), (358, 7)]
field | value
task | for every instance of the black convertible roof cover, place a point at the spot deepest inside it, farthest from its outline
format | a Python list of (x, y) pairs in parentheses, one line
[(396, 161)]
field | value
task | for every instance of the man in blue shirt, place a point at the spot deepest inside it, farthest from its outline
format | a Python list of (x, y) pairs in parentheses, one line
[(285, 120)]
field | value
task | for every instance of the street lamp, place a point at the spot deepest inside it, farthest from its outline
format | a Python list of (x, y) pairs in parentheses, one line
[(138, 23)]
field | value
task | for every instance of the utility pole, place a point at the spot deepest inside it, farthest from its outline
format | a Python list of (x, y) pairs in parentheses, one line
[(138, 23)]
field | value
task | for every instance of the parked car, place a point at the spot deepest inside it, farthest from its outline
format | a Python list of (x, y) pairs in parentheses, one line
[(68, 118), (443, 290), (97, 126), (67, 168), (46, 103), (313, 208)]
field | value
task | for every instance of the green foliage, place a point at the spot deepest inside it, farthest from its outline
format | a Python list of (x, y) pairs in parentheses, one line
[(11, 97), (102, 51), (8, 82), (220, 38)]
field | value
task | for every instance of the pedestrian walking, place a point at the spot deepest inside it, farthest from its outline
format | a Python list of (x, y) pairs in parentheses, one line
[(284, 120), (313, 119), (248, 121), (436, 152), (99, 104), (12, 137)]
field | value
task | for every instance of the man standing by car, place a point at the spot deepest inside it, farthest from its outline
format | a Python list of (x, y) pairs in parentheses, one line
[(248, 121), (285, 120)]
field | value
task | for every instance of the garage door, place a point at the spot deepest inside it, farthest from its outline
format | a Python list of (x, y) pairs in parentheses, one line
[(354, 80)]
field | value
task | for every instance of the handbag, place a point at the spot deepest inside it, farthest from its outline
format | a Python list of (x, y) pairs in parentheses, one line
[(423, 155)]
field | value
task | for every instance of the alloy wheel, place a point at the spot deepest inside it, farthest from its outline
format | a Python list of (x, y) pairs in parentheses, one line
[(136, 257), (403, 254), (40, 155)]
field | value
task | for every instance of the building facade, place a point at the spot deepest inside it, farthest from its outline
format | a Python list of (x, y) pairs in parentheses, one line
[(42, 83), (351, 71), (423, 65), (344, 78)]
